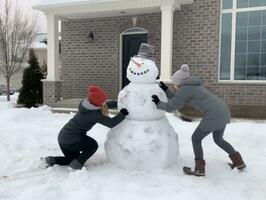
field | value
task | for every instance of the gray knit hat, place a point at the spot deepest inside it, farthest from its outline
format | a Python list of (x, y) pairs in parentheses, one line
[(180, 75)]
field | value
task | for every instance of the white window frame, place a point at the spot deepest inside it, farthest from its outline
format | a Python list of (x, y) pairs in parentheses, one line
[(234, 11)]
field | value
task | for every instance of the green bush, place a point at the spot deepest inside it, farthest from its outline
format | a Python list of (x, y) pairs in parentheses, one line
[(31, 92)]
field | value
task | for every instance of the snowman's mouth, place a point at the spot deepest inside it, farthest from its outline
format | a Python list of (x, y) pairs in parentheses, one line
[(139, 73)]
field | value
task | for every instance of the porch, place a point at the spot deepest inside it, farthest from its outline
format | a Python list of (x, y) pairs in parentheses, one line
[(56, 87)]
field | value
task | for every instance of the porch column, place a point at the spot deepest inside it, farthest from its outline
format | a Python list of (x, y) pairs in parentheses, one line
[(53, 48), (52, 83), (166, 42)]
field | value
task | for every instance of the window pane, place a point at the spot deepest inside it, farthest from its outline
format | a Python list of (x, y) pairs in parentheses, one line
[(264, 2), (254, 33), (225, 60), (255, 18), (264, 17), (254, 46), (240, 73), (263, 35), (263, 59), (241, 47), (255, 3), (253, 73), (242, 3), (263, 73), (242, 19), (241, 34), (263, 46), (241, 60), (227, 4), (253, 59)]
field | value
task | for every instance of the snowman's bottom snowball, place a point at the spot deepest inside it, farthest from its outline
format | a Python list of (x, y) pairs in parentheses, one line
[(141, 145)]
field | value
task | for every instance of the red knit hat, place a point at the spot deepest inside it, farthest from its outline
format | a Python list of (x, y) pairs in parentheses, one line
[(96, 95)]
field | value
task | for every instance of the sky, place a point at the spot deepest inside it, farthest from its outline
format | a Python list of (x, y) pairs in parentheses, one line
[(41, 19)]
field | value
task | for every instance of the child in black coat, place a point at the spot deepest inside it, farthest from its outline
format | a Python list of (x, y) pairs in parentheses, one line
[(76, 146)]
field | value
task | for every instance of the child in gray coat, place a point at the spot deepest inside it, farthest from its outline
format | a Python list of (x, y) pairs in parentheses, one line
[(216, 115)]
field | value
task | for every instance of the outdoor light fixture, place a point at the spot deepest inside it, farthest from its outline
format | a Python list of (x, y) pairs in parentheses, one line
[(91, 37)]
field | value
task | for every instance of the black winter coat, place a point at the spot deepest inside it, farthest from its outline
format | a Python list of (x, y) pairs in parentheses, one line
[(83, 121)]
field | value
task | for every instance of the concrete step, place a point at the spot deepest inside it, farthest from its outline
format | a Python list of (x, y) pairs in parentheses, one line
[(75, 110), (71, 105)]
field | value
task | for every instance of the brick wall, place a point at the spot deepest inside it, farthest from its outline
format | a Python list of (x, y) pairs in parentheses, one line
[(51, 92), (196, 42), (98, 62)]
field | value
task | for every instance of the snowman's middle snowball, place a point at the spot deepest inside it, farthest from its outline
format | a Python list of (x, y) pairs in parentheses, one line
[(136, 98)]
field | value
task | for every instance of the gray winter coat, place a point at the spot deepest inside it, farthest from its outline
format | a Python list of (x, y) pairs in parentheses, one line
[(87, 116), (216, 113)]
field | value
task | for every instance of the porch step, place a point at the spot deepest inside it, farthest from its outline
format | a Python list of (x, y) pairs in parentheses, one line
[(71, 105), (75, 110)]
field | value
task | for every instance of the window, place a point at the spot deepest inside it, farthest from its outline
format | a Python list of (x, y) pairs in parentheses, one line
[(243, 40)]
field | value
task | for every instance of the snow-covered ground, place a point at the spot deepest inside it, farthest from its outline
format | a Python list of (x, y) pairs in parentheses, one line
[(28, 134)]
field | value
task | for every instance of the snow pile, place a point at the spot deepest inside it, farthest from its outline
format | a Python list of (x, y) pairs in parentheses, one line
[(27, 134)]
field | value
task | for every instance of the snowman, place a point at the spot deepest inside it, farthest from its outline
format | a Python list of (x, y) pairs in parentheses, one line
[(144, 140)]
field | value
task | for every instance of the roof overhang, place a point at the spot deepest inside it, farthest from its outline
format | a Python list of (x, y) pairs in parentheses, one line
[(78, 9)]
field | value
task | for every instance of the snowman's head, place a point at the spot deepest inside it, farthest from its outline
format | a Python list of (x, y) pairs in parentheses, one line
[(142, 70)]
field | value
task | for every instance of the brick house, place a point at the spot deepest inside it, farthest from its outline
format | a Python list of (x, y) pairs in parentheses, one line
[(223, 41)]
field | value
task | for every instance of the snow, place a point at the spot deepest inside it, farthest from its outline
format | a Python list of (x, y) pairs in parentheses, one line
[(142, 145), (27, 134), (38, 45)]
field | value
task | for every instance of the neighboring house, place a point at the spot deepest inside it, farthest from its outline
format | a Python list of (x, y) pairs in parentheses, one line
[(40, 49), (223, 41)]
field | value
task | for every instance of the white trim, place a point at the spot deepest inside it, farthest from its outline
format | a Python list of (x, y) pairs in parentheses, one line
[(220, 42), (259, 82), (233, 42), (106, 6), (144, 31), (242, 9), (234, 12), (139, 31)]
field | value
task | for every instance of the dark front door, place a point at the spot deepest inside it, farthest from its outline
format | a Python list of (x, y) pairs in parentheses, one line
[(131, 44)]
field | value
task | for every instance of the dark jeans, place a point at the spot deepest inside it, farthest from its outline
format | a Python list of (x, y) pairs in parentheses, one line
[(199, 135), (80, 151)]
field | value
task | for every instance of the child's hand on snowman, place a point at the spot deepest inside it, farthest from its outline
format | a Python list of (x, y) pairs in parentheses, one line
[(155, 99), (163, 86), (124, 111)]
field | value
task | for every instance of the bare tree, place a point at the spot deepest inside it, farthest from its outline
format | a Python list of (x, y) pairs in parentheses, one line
[(17, 32)]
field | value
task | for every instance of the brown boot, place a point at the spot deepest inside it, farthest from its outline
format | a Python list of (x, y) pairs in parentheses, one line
[(237, 161), (199, 168)]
